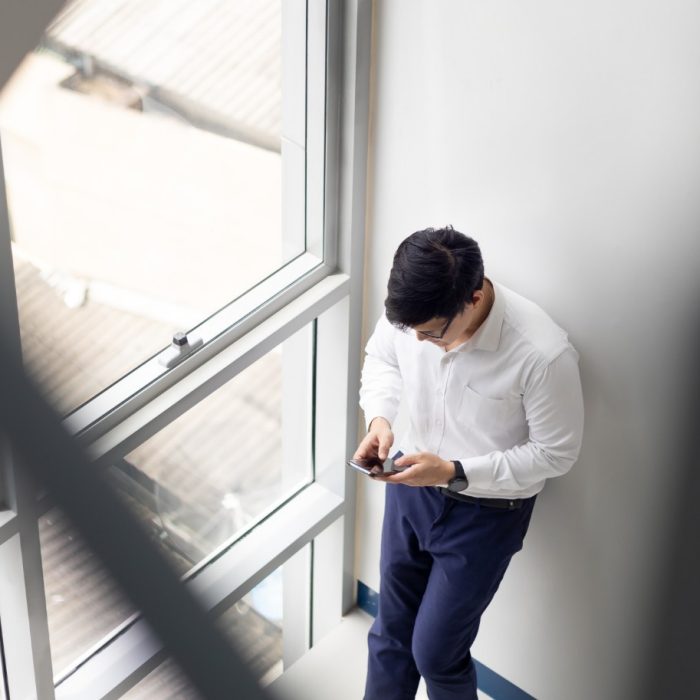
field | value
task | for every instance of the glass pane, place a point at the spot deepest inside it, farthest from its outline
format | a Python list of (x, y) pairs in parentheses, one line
[(219, 467), (256, 619), (143, 156), (198, 484)]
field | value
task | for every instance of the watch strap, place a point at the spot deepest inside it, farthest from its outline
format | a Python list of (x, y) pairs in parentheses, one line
[(459, 481), (459, 470)]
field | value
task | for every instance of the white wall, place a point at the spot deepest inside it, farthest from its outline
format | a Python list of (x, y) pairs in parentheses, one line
[(564, 137)]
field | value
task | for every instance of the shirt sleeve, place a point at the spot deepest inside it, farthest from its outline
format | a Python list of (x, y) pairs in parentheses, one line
[(553, 403), (380, 392)]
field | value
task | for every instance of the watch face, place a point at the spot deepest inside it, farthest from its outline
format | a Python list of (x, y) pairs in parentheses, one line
[(457, 484)]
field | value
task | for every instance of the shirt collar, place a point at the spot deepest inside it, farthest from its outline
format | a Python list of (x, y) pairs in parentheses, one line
[(488, 335)]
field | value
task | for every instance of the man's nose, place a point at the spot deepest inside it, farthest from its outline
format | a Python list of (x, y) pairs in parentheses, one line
[(420, 337)]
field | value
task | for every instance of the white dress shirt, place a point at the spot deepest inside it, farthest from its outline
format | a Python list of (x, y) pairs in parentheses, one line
[(507, 403)]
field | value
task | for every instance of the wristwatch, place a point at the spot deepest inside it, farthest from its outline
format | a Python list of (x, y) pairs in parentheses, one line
[(459, 481)]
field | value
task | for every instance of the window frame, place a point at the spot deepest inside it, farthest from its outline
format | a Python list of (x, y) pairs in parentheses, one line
[(329, 291)]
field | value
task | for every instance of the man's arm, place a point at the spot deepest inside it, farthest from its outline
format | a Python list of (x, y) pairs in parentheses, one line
[(553, 403), (380, 392)]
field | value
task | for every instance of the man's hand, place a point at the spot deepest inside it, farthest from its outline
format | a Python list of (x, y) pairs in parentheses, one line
[(422, 469), (377, 442)]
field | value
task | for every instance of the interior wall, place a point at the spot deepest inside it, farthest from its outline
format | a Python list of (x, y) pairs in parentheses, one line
[(564, 138)]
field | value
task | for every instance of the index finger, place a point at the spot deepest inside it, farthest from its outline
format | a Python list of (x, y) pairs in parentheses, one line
[(365, 449)]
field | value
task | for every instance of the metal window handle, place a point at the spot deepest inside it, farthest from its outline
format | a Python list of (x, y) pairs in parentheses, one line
[(181, 347)]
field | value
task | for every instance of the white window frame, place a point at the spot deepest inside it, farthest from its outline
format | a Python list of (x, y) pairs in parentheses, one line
[(325, 287)]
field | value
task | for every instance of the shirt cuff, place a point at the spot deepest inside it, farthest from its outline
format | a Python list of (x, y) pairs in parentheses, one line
[(479, 471), (379, 410)]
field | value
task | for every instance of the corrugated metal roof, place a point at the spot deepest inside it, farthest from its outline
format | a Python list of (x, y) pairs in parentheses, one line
[(76, 353), (214, 61)]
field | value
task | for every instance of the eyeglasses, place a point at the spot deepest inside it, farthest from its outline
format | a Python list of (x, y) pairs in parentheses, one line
[(428, 334)]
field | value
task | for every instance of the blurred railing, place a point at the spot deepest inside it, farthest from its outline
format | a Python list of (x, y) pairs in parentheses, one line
[(57, 462)]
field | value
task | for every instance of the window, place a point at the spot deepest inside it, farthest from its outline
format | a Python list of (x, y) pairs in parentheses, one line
[(197, 486), (166, 178), (309, 299)]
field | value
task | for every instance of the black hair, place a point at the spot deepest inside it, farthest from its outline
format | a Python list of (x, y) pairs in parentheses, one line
[(435, 272)]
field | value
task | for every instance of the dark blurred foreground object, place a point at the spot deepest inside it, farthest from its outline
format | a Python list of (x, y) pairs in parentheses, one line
[(669, 668), (82, 491)]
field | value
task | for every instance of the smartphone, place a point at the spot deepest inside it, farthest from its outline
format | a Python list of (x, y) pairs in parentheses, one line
[(374, 466)]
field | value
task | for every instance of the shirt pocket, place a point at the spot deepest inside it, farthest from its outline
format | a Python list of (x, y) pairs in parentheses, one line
[(500, 421)]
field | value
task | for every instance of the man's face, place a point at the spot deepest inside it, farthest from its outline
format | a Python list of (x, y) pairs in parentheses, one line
[(445, 331), (439, 331)]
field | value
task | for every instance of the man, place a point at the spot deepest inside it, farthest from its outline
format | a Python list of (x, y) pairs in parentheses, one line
[(493, 397)]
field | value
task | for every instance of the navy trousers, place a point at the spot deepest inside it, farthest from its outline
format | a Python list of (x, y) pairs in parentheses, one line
[(442, 561)]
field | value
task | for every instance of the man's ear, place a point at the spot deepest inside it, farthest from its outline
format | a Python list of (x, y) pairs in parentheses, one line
[(478, 296)]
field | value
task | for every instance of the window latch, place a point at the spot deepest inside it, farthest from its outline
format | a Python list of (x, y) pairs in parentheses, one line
[(181, 347)]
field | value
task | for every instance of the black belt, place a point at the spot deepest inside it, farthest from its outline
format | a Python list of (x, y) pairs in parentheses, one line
[(504, 503)]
